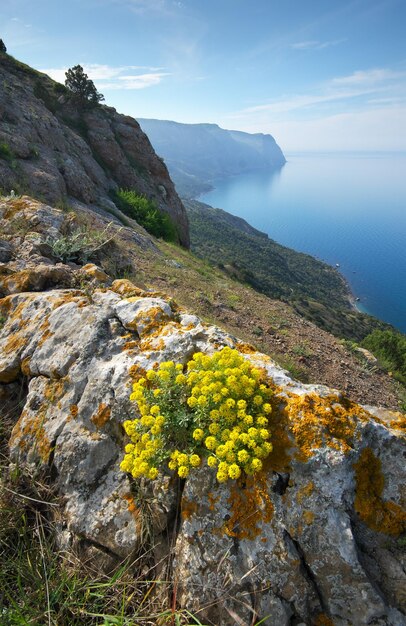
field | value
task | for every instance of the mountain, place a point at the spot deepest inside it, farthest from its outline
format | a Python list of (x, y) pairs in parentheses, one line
[(54, 151), (197, 154)]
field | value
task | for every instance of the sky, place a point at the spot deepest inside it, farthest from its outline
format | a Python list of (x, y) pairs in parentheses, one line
[(319, 75)]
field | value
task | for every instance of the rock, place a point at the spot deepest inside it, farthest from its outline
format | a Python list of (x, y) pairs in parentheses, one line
[(57, 153), (314, 538), (6, 251)]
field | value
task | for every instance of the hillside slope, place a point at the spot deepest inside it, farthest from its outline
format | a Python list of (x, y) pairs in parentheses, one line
[(44, 248), (197, 154), (52, 150)]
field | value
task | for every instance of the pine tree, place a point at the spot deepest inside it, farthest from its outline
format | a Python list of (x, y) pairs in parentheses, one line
[(2, 46), (82, 87)]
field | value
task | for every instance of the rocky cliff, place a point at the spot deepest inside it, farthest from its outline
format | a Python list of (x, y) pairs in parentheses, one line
[(314, 538), (197, 154), (53, 151)]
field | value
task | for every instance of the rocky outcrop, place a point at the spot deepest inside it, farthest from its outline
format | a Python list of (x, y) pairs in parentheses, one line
[(198, 154), (316, 538), (59, 152)]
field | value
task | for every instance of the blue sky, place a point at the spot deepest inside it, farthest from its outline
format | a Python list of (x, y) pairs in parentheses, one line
[(317, 74)]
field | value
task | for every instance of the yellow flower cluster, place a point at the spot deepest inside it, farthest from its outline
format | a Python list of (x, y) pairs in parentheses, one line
[(227, 393), (218, 409)]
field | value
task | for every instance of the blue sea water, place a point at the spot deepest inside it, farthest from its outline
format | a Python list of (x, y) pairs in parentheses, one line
[(346, 209)]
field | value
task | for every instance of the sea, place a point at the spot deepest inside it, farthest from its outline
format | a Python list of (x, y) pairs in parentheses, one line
[(348, 210)]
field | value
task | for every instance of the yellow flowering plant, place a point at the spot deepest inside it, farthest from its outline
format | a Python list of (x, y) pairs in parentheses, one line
[(216, 411)]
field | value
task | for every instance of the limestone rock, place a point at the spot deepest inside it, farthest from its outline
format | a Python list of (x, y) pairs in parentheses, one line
[(315, 538)]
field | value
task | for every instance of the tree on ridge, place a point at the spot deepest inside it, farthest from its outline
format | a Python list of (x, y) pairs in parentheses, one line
[(82, 87)]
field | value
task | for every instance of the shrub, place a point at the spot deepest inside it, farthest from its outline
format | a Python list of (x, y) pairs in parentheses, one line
[(82, 88), (79, 246), (6, 152), (389, 347), (2, 46), (146, 213), (216, 411)]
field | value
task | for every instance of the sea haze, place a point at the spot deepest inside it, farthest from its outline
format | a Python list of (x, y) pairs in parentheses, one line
[(346, 209)]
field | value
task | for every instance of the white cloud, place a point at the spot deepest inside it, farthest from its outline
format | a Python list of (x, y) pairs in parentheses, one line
[(369, 77), (315, 45), (140, 81), (344, 88), (365, 110), (110, 77)]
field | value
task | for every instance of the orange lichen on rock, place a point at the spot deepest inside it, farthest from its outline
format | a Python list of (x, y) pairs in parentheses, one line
[(125, 287), (54, 389), (316, 421), (381, 515), (212, 500), (131, 345), (30, 427), (250, 506), (73, 410), (323, 620), (25, 366), (188, 508), (132, 507), (246, 348), (308, 517), (153, 318), (305, 492), (102, 415), (136, 372), (152, 344), (399, 422)]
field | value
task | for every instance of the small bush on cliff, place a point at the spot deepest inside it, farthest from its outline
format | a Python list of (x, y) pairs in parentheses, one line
[(146, 213), (2, 46), (216, 411), (390, 349), (81, 245)]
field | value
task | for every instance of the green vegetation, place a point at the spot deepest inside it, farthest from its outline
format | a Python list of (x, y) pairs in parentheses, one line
[(81, 245), (217, 412), (389, 347), (2, 46), (145, 212), (6, 152), (41, 584), (315, 290), (82, 88)]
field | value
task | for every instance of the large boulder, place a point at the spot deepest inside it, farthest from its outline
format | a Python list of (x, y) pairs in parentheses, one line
[(315, 538)]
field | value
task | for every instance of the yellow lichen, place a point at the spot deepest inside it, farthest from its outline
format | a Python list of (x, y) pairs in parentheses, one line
[(399, 422), (246, 348), (131, 345), (305, 492), (381, 515), (323, 620), (250, 506), (152, 344), (136, 372), (308, 517), (102, 415), (189, 508)]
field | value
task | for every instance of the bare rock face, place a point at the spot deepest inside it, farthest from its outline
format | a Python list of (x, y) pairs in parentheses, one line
[(54, 151)]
